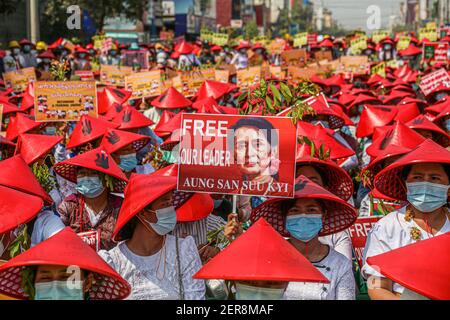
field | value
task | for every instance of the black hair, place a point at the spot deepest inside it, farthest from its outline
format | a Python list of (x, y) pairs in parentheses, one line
[(287, 205), (126, 233), (320, 171), (407, 169), (261, 124)]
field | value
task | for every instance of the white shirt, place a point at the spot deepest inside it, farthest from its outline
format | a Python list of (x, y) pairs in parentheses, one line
[(240, 60), (154, 114), (390, 233), (150, 282), (336, 268), (47, 224), (188, 60), (93, 216), (340, 242)]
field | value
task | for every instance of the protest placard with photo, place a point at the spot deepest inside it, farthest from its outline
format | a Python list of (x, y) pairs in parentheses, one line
[(64, 100), (296, 75), (144, 84), (114, 75), (134, 58), (244, 155), (323, 55), (19, 80), (249, 77), (222, 75)]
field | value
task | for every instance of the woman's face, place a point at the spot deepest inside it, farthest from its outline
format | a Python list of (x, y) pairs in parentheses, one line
[(428, 172), (253, 151), (305, 206), (49, 273), (149, 213), (311, 173), (85, 172), (128, 149)]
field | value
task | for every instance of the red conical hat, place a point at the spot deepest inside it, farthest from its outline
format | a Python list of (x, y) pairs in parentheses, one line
[(9, 107), (443, 114), (28, 98), (321, 107), (172, 141), (321, 136), (375, 79), (21, 124), (398, 134), (337, 180), (112, 112), (171, 99), (372, 117), (214, 89), (130, 118), (99, 160), (412, 50), (326, 43), (184, 48), (422, 123), (17, 175), (141, 191), (346, 98), (87, 130), (421, 267), (419, 102), (376, 165), (170, 126), (204, 104), (338, 216), (190, 206), (261, 254), (17, 208), (6, 142), (111, 96), (165, 117), (407, 112), (65, 248), (47, 55), (34, 146), (390, 181), (439, 106), (114, 140), (363, 98), (56, 44), (396, 95)]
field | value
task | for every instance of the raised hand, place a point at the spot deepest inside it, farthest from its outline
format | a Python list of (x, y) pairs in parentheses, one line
[(102, 160)]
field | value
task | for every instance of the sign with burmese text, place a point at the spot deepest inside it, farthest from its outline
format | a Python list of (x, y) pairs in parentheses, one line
[(240, 155)]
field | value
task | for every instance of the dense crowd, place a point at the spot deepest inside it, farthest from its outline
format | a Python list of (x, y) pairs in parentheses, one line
[(376, 146)]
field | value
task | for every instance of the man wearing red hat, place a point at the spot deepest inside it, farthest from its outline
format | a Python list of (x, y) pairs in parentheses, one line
[(28, 53), (240, 58), (81, 60), (187, 59)]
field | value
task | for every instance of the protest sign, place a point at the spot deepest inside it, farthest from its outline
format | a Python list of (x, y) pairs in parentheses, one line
[(296, 75), (248, 77), (297, 57), (99, 42), (323, 55), (136, 59), (277, 72), (312, 39), (220, 39), (18, 80), (359, 44), (428, 33), (436, 51), (301, 39), (403, 42), (64, 100), (352, 64), (222, 75), (276, 46), (85, 75), (213, 155), (358, 234), (261, 39), (379, 35), (114, 75), (209, 74), (191, 82), (144, 84), (206, 35), (91, 238), (435, 80), (379, 69), (392, 64)]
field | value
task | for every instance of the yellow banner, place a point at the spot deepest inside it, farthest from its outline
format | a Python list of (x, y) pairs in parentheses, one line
[(206, 35), (144, 84), (428, 33), (64, 100), (392, 64), (379, 35), (379, 69), (403, 42), (301, 39), (359, 44), (114, 75), (18, 80), (220, 39)]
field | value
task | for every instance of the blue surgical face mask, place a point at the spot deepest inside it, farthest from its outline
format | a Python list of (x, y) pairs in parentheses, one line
[(128, 162), (447, 124), (426, 196), (441, 95), (59, 290), (47, 61), (90, 187), (82, 55), (304, 227), (16, 51), (244, 292), (167, 220), (50, 131)]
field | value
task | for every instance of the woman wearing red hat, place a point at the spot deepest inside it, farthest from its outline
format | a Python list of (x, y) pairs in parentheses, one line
[(240, 58), (81, 61), (187, 59), (94, 208), (46, 58), (314, 212), (422, 178), (157, 265), (260, 264), (123, 147), (61, 268)]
